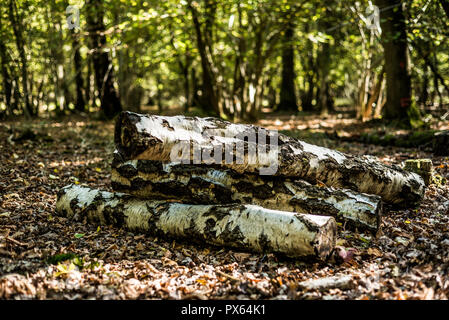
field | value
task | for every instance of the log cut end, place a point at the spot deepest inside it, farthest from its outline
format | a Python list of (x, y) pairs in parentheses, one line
[(326, 239), (127, 137)]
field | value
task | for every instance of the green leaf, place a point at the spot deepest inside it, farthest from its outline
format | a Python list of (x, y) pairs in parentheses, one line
[(79, 235), (57, 258)]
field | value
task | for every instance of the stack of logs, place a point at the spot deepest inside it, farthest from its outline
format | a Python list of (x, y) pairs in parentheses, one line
[(294, 210)]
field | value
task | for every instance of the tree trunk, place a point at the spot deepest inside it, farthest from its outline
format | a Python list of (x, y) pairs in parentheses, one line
[(380, 100), (239, 87), (240, 226), (209, 94), (323, 67), (185, 67), (394, 41), (16, 23), (57, 60), (80, 104), (368, 111), (147, 137), (104, 72), (195, 88), (159, 93), (288, 91), (6, 77), (324, 63), (424, 92), (90, 82), (205, 185), (310, 70)]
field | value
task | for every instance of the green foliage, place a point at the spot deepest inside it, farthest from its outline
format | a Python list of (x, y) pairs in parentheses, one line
[(66, 262), (154, 49)]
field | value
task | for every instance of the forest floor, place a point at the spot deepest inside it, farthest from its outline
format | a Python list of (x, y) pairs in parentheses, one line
[(43, 256)]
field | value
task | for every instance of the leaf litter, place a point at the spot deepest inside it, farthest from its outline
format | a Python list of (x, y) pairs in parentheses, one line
[(43, 256)]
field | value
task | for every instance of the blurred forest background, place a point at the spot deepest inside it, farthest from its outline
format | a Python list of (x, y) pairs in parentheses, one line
[(237, 59)]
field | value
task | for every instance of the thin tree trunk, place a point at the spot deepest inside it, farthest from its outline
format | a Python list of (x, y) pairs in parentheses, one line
[(436, 86), (124, 77), (185, 67), (61, 91), (103, 69), (90, 83), (159, 94), (80, 104), (198, 184), (195, 88), (271, 95), (424, 95), (255, 79), (239, 93), (209, 92), (323, 65), (17, 26), (241, 226), (380, 100), (173, 138), (310, 72), (6, 77), (288, 92), (368, 113)]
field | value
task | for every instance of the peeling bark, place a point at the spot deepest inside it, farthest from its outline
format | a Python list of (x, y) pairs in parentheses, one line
[(241, 226), (145, 137), (207, 185)]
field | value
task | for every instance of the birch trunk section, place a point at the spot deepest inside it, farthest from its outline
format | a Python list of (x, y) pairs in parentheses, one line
[(242, 226), (198, 184), (148, 137)]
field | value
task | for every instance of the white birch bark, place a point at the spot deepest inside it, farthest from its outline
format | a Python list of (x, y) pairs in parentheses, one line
[(241, 226), (148, 137), (198, 184)]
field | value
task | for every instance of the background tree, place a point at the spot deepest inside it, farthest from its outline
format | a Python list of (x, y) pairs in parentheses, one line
[(288, 91), (103, 68), (397, 65)]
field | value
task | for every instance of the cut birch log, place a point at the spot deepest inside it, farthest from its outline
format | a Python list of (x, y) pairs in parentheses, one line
[(241, 226), (206, 185), (257, 150)]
